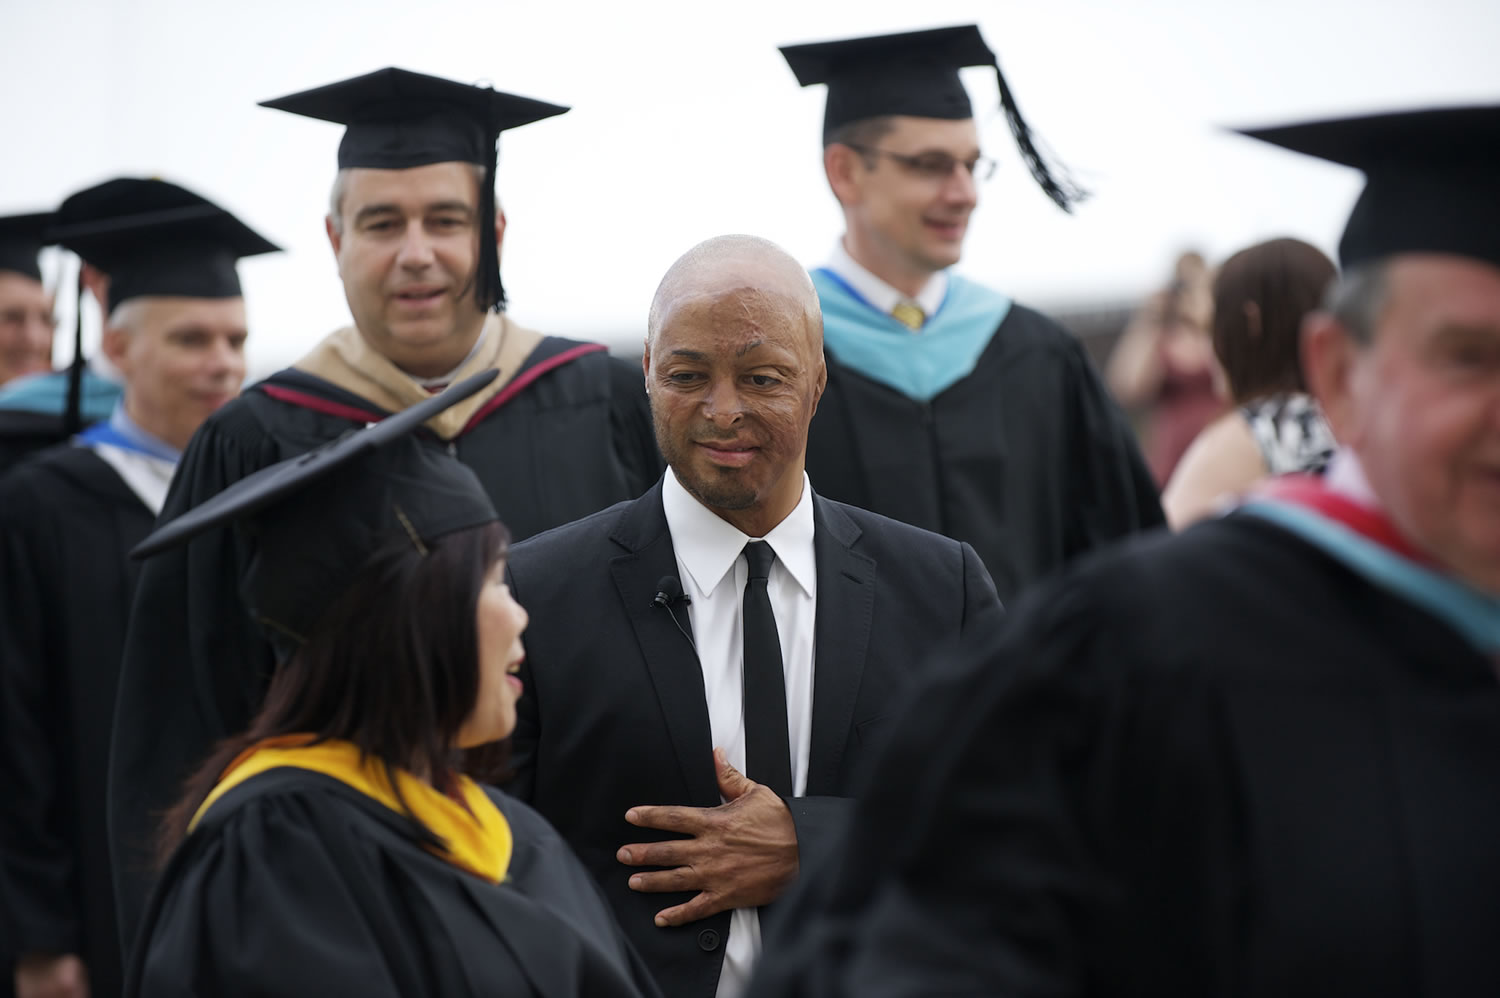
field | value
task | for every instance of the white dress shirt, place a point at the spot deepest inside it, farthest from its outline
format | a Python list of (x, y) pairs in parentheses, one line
[(712, 566), (880, 294)]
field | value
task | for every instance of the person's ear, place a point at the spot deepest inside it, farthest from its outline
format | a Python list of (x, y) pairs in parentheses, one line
[(114, 341), (1330, 356), (499, 230), (335, 236), (844, 166)]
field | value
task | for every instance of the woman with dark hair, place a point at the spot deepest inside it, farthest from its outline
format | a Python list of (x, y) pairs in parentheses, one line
[(1260, 296), (336, 847)]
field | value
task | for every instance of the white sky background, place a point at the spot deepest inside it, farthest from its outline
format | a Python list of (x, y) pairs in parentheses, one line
[(687, 124)]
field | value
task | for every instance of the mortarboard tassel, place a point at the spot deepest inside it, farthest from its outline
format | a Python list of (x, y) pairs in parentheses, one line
[(1054, 179), (490, 292), (73, 414)]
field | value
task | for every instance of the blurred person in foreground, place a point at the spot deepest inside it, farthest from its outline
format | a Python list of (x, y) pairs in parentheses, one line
[(562, 432), (37, 409), (1256, 758), (176, 331), (334, 846), (746, 640), (1164, 368), (949, 405), (1261, 295)]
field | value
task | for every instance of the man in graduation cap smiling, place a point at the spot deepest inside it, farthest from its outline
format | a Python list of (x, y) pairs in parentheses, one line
[(1259, 757), (175, 329), (948, 405), (38, 407), (25, 306), (563, 431)]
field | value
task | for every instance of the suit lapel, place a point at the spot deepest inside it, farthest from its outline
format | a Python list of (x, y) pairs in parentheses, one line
[(846, 606), (670, 659)]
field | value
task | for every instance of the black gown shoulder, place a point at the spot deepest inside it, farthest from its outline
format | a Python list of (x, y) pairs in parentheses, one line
[(1210, 765), (1026, 458), (296, 884)]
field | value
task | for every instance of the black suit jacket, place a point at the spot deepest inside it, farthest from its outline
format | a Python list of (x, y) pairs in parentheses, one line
[(614, 713)]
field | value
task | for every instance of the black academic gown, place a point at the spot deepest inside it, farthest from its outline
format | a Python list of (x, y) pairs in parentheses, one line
[(574, 440), (1215, 765), (24, 433), (66, 583), (1027, 458), (296, 884)]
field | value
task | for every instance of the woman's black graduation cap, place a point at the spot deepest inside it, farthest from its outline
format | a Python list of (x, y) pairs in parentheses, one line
[(396, 119), (915, 73), (21, 240), (315, 519), (154, 238), (1430, 179)]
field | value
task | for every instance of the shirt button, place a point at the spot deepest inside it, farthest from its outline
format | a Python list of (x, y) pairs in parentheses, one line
[(708, 940)]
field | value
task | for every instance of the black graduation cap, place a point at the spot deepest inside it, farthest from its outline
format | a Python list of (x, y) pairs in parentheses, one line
[(314, 520), (915, 73), (396, 119), (155, 238), (1430, 179), (21, 240)]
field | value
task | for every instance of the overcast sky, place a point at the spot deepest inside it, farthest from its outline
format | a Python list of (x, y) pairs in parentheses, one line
[(687, 124)]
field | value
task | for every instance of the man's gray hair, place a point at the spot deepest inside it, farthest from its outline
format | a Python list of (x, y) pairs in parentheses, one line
[(1356, 298)]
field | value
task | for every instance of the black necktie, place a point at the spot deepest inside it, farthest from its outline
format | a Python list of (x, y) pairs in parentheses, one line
[(768, 756)]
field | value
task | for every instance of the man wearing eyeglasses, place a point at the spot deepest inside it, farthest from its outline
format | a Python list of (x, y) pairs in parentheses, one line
[(948, 405)]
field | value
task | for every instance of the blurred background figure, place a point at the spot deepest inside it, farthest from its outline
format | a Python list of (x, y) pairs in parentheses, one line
[(39, 407), (26, 321), (175, 329), (1163, 367), (1259, 298), (949, 405)]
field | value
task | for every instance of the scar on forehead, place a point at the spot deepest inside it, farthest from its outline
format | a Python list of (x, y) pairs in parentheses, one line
[(747, 347)]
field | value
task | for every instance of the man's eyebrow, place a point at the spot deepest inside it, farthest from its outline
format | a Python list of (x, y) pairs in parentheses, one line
[(375, 209), (689, 354), (459, 206)]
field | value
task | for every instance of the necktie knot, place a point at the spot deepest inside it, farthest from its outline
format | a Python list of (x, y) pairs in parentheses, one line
[(909, 314), (758, 556)]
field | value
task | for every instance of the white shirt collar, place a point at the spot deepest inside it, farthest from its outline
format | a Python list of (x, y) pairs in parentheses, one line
[(1346, 476), (877, 292), (707, 545)]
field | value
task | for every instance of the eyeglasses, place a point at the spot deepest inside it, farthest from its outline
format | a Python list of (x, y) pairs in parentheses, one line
[(934, 165)]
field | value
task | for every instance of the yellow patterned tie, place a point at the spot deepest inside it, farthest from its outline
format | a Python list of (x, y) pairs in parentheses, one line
[(909, 314)]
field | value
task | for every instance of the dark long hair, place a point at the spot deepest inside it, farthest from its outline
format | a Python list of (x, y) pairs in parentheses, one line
[(392, 666), (1260, 297)]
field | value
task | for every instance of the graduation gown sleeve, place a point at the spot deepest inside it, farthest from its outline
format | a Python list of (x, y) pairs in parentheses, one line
[(1111, 490)]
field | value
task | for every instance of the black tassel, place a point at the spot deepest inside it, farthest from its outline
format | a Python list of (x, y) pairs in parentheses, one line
[(490, 293), (73, 414), (1053, 178)]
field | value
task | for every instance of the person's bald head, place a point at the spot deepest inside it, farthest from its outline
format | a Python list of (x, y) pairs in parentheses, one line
[(734, 367), (740, 262)]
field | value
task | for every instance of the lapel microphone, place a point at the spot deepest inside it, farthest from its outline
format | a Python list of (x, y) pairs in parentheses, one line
[(668, 592)]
